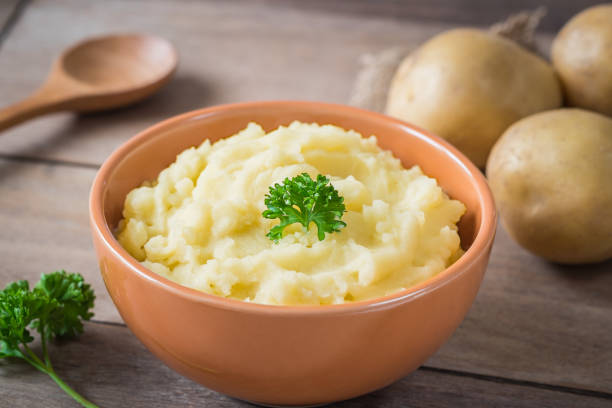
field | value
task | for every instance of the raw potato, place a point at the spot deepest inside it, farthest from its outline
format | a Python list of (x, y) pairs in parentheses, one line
[(582, 55), (468, 86), (551, 175)]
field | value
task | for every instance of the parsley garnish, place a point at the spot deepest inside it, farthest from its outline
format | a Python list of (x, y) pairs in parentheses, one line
[(304, 200), (55, 307)]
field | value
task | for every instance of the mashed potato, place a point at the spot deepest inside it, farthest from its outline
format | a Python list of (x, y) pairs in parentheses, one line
[(200, 224)]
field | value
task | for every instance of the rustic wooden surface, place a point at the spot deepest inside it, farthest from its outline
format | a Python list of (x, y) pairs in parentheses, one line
[(9, 10), (538, 334), (93, 363)]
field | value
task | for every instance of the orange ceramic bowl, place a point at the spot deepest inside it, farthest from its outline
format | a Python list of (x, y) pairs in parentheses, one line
[(290, 355)]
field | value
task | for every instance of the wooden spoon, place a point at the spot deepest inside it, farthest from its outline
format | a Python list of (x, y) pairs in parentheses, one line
[(97, 74)]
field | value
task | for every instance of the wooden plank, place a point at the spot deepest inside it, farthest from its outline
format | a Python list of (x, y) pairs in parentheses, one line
[(464, 12), (293, 50), (531, 320), (43, 213), (537, 321), (111, 368), (7, 7), (230, 51)]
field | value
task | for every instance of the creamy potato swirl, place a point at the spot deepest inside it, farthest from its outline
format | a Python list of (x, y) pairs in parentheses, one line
[(200, 224)]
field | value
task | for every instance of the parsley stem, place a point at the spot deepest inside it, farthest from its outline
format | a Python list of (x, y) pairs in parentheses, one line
[(43, 340), (32, 362), (77, 397), (33, 359)]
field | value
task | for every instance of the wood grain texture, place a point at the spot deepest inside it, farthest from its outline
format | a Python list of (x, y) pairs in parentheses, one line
[(532, 320), (538, 321), (229, 51), (111, 368), (43, 213), (464, 12), (293, 50), (7, 8)]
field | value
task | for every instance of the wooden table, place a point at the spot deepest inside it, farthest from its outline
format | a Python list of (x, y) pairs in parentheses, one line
[(538, 334)]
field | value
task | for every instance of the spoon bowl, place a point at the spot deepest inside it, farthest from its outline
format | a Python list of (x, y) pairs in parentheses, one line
[(115, 67), (98, 74)]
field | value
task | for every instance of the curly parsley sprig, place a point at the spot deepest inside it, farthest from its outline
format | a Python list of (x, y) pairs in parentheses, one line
[(305, 201), (55, 307)]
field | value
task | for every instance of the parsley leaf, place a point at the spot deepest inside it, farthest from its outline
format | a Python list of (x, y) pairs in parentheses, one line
[(18, 308), (74, 300), (55, 307), (305, 201)]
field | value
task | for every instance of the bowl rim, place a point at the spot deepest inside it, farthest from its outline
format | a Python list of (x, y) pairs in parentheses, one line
[(480, 246)]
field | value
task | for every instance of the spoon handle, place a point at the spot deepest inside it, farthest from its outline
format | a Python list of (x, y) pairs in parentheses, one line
[(36, 105)]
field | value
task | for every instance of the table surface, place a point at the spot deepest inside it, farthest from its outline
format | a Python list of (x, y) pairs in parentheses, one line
[(538, 334)]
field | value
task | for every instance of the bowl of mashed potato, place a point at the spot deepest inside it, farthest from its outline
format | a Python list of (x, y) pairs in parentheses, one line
[(308, 315)]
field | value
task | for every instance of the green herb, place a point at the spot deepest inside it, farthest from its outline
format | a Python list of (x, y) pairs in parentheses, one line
[(304, 200), (55, 307)]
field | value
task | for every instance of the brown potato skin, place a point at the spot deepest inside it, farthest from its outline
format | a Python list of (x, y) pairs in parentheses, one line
[(551, 176), (582, 56), (468, 86)]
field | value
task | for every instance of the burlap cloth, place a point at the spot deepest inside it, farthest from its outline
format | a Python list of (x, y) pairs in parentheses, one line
[(377, 70)]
